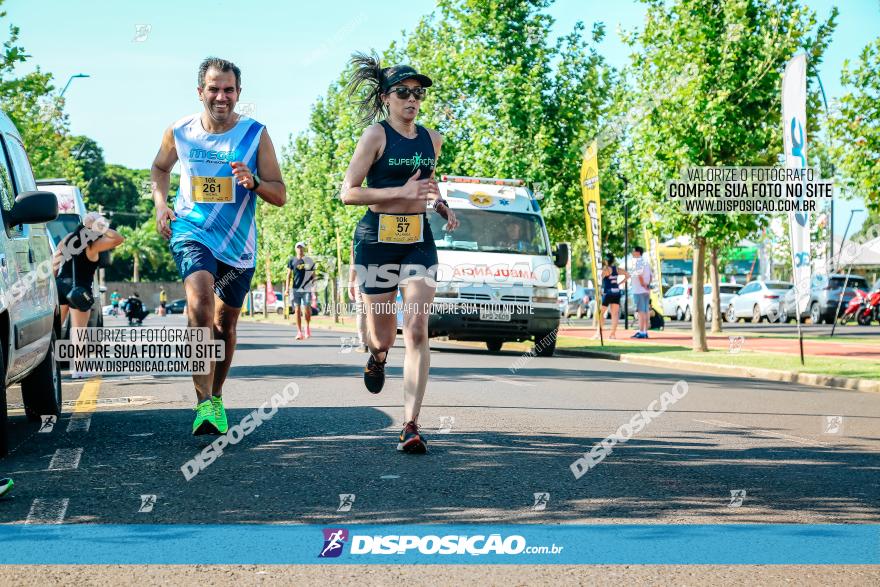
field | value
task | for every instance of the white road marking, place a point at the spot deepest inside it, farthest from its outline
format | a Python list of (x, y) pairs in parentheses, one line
[(506, 381), (65, 459), (47, 511), (79, 423), (789, 437), (390, 477)]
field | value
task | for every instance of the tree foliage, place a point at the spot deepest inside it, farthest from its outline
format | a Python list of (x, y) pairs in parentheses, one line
[(855, 126), (508, 102), (716, 64)]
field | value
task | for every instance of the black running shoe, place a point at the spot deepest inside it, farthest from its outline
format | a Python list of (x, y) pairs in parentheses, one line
[(374, 374), (411, 440)]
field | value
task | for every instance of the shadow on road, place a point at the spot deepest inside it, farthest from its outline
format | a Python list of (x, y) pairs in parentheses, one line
[(294, 467)]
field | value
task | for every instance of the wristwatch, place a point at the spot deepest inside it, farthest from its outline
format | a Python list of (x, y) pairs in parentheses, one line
[(440, 201), (257, 182)]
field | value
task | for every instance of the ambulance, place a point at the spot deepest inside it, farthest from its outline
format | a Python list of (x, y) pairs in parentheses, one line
[(497, 272)]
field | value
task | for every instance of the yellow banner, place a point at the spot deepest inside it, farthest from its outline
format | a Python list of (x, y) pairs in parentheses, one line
[(593, 210), (653, 250)]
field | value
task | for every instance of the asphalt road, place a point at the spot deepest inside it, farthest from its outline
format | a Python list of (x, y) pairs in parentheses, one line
[(515, 432)]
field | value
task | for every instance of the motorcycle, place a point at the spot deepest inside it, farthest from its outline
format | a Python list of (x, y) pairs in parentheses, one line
[(854, 308), (870, 310), (135, 311)]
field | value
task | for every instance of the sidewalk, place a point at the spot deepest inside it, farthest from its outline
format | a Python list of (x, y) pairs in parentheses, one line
[(812, 347)]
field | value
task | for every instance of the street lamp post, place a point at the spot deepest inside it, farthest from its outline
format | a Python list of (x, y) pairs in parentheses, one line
[(625, 258), (848, 271), (831, 220), (67, 85)]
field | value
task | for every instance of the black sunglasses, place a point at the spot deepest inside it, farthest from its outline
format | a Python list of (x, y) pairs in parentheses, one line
[(404, 92)]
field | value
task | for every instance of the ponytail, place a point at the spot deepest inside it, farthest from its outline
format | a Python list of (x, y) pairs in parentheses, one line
[(367, 71)]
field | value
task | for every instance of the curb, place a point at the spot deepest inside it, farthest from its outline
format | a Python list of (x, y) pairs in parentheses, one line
[(817, 380)]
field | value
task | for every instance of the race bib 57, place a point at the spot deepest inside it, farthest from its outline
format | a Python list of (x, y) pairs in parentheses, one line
[(400, 228)]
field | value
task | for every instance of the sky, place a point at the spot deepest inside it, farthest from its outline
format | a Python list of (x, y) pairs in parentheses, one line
[(142, 58)]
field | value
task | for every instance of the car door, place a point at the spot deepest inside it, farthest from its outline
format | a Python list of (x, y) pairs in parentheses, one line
[(742, 303), (17, 268), (669, 300), (707, 297)]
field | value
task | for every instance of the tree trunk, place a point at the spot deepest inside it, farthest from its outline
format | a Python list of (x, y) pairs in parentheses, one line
[(698, 310), (716, 291), (136, 276)]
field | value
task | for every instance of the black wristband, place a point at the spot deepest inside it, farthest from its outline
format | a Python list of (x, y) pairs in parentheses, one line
[(440, 201), (257, 182)]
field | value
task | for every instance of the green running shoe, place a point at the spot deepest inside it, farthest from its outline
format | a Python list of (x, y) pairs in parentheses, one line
[(220, 414), (205, 422), (6, 486)]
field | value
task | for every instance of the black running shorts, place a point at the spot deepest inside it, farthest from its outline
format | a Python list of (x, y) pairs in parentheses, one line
[(382, 266)]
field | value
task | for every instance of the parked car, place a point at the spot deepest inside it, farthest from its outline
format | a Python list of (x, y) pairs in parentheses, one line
[(176, 306), (277, 307), (562, 300), (678, 300), (825, 297), (727, 291), (576, 305), (29, 314), (757, 300)]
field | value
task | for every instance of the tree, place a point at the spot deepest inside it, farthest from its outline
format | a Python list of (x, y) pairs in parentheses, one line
[(117, 191), (146, 248), (717, 65), (90, 157), (511, 104), (508, 103), (855, 126)]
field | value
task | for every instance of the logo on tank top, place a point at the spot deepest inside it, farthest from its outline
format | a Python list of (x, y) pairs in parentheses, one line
[(415, 162), (197, 155)]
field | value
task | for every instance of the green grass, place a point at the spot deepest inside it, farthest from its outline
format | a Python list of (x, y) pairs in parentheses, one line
[(835, 366)]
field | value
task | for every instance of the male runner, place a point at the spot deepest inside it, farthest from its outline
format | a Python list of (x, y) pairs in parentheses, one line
[(227, 160), (302, 269)]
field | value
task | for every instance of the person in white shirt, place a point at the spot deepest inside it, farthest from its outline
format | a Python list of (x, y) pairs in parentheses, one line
[(641, 287)]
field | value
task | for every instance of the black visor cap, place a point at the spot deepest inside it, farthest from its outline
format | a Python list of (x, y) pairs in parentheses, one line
[(396, 74)]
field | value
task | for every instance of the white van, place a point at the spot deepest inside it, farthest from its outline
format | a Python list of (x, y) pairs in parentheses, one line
[(497, 275), (29, 315)]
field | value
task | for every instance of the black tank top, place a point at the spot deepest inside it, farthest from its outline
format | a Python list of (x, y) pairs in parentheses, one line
[(609, 283), (85, 269), (401, 159)]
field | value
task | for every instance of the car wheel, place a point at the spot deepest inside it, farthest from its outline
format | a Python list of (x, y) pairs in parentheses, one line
[(494, 345), (679, 315), (815, 314), (708, 313), (687, 315), (730, 315), (756, 314), (41, 389), (580, 312), (280, 311)]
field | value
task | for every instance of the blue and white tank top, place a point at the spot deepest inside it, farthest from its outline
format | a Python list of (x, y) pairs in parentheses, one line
[(211, 208)]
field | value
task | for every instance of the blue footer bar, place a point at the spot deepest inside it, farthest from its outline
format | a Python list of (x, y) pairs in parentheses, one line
[(441, 544)]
